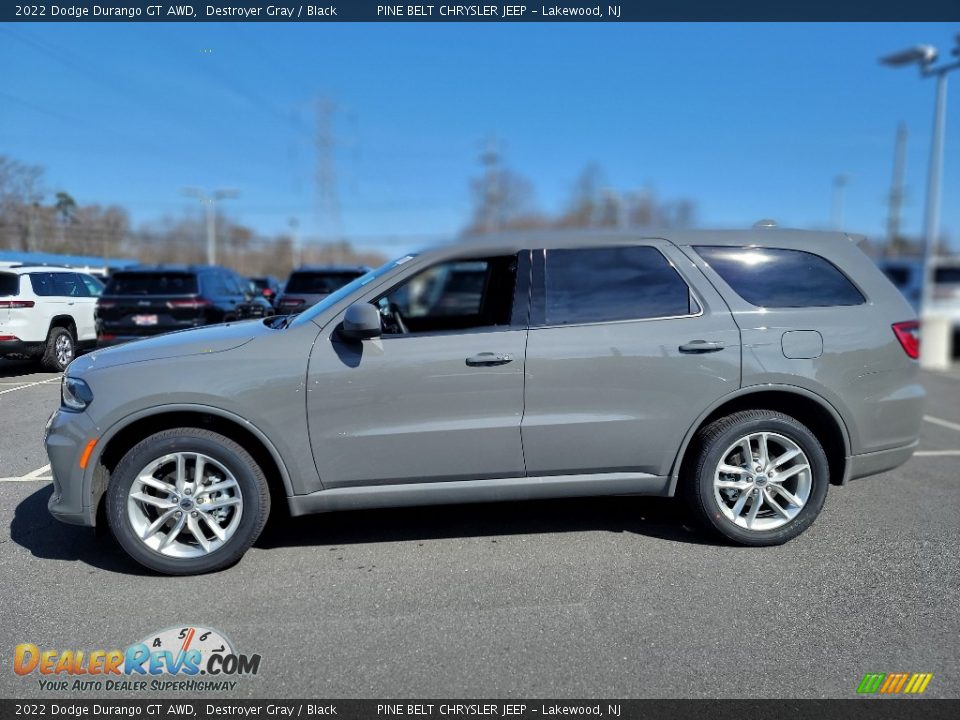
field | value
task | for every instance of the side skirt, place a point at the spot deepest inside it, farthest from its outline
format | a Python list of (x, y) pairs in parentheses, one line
[(478, 491)]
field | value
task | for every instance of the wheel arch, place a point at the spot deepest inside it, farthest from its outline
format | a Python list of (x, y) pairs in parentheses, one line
[(64, 321), (822, 419), (133, 428)]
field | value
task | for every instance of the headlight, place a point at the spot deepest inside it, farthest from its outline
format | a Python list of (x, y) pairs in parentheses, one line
[(75, 393)]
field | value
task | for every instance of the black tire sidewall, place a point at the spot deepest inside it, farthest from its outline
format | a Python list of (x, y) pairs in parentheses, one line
[(713, 453), (49, 358), (233, 457)]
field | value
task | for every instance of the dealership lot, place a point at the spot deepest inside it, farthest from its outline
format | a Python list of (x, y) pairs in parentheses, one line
[(610, 597)]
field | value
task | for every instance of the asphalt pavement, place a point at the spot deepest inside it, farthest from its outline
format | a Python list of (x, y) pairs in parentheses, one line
[(606, 598)]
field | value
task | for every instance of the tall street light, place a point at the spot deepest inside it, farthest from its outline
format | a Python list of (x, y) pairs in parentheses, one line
[(210, 203), (924, 56)]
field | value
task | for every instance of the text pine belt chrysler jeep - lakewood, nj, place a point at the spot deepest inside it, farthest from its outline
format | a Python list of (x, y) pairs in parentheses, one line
[(746, 371)]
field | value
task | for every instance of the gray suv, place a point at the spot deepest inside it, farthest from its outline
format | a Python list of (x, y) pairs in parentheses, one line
[(745, 371)]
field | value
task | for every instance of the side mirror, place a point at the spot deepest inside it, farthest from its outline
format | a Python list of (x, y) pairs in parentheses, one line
[(361, 322)]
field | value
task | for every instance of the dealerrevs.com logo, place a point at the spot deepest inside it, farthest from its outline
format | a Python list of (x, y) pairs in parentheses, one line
[(187, 658)]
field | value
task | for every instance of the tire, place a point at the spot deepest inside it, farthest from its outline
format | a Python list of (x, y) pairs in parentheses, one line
[(60, 349), (716, 498), (239, 510)]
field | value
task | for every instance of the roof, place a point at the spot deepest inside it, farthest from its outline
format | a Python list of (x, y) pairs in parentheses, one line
[(332, 268), (41, 258), (170, 267), (597, 237)]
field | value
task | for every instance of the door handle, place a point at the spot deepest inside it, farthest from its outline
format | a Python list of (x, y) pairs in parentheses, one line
[(701, 346), (487, 359)]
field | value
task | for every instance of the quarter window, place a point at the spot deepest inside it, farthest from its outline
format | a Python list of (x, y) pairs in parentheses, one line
[(588, 285), (781, 278)]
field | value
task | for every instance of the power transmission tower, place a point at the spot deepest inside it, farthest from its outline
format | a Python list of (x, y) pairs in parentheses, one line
[(895, 200), (327, 199), (492, 191)]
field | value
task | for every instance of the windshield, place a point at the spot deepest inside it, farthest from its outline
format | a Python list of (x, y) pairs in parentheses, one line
[(348, 289)]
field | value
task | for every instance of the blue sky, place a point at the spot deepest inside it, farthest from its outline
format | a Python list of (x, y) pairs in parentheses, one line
[(749, 120)]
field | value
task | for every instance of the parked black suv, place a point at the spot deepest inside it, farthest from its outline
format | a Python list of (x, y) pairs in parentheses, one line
[(149, 300), (310, 284)]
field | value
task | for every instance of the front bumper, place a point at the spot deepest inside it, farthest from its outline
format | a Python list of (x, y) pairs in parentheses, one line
[(66, 436)]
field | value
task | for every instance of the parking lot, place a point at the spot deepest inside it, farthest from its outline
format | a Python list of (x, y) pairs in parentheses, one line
[(611, 597)]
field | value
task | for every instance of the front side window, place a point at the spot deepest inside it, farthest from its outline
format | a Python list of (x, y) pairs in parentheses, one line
[(452, 296), (94, 286), (587, 285), (781, 278)]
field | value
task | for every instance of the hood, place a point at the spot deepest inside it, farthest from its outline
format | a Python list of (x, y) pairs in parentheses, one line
[(196, 341)]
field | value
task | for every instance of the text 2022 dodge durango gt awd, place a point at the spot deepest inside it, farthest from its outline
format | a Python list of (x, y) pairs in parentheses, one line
[(745, 371)]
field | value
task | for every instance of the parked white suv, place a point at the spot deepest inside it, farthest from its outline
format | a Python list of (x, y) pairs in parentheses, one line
[(46, 313)]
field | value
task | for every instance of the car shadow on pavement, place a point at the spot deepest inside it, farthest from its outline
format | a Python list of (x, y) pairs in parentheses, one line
[(35, 529), (19, 368), (664, 518)]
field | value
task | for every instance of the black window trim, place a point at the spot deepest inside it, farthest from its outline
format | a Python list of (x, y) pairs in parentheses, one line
[(538, 298)]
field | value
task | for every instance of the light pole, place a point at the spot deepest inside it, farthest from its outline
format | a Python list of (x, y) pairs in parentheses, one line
[(840, 183), (924, 56), (210, 203)]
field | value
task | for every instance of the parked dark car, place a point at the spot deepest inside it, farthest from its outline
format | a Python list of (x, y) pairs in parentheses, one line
[(267, 287), (309, 285), (150, 300)]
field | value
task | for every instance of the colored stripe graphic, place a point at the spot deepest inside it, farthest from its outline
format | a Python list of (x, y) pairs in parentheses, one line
[(894, 683)]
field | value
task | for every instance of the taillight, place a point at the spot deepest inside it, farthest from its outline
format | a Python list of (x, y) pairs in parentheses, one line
[(8, 337), (292, 302), (15, 304), (908, 333), (194, 304), (106, 304)]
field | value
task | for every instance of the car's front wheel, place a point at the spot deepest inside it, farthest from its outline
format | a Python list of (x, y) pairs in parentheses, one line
[(187, 501), (758, 477)]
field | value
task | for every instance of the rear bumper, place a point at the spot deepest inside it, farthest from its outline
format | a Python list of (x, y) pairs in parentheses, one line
[(19, 347), (861, 466)]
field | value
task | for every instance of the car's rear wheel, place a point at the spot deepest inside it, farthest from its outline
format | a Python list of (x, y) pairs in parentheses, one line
[(758, 477), (187, 501), (60, 349)]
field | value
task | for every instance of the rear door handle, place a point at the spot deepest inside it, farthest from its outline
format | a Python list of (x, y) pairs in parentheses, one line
[(487, 359), (701, 346)]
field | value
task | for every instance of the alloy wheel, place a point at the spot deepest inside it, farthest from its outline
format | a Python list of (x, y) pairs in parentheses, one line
[(763, 481), (185, 505), (63, 347)]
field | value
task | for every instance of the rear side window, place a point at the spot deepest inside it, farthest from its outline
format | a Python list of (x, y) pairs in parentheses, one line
[(9, 284), (317, 283), (69, 285), (42, 283), (780, 278), (148, 283), (587, 285)]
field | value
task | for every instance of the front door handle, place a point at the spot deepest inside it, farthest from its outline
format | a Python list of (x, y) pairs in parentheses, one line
[(487, 359), (701, 346)]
